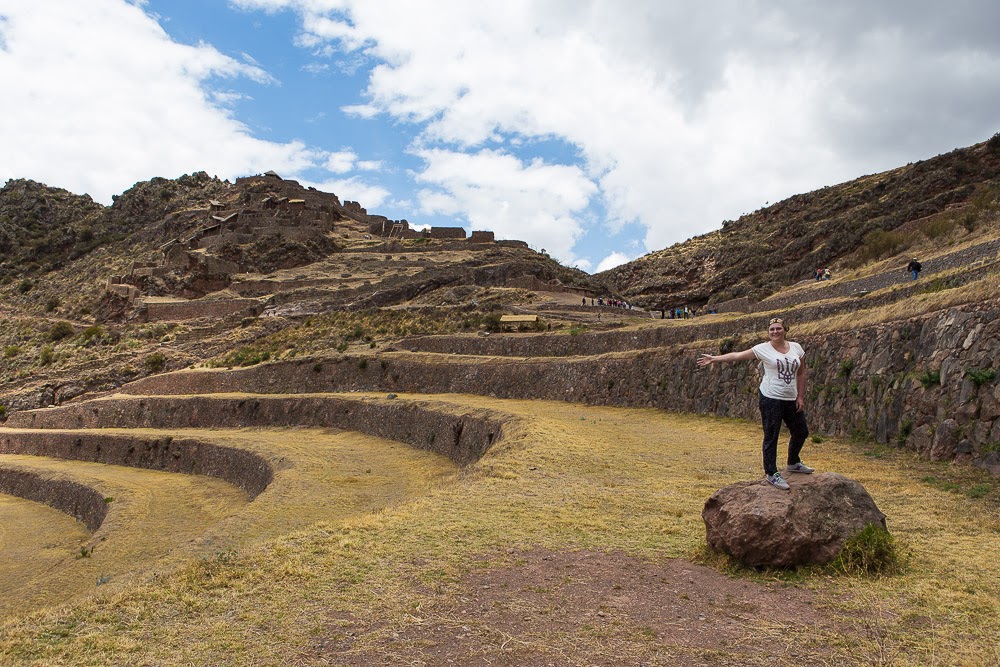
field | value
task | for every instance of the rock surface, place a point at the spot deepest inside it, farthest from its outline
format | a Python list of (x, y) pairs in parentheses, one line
[(760, 525)]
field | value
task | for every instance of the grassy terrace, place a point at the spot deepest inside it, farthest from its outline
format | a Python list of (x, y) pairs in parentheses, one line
[(476, 567)]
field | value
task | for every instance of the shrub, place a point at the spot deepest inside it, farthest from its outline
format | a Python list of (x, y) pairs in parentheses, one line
[(980, 376), (363, 364), (929, 378), (881, 243), (938, 227), (46, 356), (91, 332), (11, 351), (52, 303), (846, 366), (492, 322), (155, 362), (905, 429), (25, 286), (872, 551), (3, 412), (727, 345), (994, 143), (60, 330)]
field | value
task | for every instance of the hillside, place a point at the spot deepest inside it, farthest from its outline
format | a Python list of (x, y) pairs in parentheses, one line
[(258, 425), (196, 261), (842, 226)]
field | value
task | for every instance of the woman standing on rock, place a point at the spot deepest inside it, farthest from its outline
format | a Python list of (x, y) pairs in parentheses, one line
[(782, 394)]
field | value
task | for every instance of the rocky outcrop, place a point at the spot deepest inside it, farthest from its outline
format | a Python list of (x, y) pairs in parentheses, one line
[(760, 525)]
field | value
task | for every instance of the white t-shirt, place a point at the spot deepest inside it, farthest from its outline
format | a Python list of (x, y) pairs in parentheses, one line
[(779, 370)]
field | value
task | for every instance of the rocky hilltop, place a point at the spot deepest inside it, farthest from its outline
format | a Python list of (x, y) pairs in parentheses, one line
[(842, 226)]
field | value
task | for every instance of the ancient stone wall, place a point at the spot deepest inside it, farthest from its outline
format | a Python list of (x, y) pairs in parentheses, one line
[(79, 501), (447, 233), (866, 381), (482, 237), (244, 469), (170, 311), (464, 437)]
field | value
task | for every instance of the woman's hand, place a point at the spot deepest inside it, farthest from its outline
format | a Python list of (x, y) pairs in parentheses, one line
[(705, 360)]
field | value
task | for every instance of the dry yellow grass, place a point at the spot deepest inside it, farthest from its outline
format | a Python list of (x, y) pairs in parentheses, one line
[(157, 520), (565, 477)]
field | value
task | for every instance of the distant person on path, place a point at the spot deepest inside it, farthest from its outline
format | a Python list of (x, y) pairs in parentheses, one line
[(781, 397), (819, 274), (914, 268), (826, 273)]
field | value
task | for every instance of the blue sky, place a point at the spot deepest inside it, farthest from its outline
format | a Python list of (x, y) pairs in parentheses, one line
[(597, 130)]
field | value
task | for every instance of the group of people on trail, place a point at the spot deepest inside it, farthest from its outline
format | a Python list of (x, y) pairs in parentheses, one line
[(611, 303), (781, 397), (684, 313), (822, 274)]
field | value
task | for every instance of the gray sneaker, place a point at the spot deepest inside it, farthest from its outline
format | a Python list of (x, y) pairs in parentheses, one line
[(777, 481), (801, 468)]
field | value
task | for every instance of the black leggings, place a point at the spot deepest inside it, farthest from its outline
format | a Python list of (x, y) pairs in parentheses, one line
[(772, 413)]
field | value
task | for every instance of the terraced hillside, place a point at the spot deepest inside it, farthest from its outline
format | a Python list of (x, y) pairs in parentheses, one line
[(508, 530), (370, 469)]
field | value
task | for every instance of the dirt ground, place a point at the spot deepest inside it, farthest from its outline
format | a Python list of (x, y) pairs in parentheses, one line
[(592, 608)]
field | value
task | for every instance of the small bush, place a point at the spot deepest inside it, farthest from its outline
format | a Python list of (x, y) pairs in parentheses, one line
[(938, 228), (3, 412), (929, 378), (846, 366), (52, 303), (980, 376), (817, 438), (363, 364), (994, 144), (46, 356), (25, 286), (727, 345), (60, 330), (905, 429), (155, 362), (881, 243), (492, 322), (95, 331), (872, 551), (11, 351)]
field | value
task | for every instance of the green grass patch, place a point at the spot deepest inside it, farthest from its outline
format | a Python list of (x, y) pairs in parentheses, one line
[(873, 551)]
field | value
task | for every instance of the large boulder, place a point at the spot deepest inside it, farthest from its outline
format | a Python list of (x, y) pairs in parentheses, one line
[(760, 525)]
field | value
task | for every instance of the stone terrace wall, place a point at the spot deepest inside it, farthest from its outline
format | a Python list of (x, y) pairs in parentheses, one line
[(182, 455), (166, 311), (982, 253), (864, 381), (79, 501), (464, 438)]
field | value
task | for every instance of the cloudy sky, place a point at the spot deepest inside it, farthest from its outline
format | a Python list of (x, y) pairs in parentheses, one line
[(598, 130)]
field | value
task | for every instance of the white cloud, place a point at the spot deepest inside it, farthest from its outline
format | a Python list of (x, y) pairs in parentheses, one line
[(369, 195), (341, 162), (369, 165), (686, 114), (613, 260), (534, 202), (97, 96)]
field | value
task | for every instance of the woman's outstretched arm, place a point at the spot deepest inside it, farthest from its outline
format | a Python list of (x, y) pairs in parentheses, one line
[(745, 355)]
